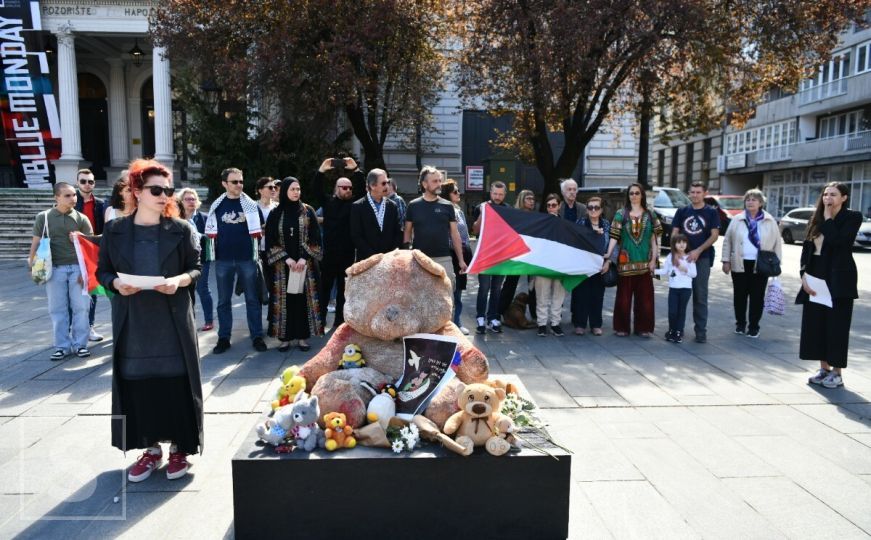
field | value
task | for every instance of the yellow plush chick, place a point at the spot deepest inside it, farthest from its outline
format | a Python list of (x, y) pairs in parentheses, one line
[(352, 357), (291, 385)]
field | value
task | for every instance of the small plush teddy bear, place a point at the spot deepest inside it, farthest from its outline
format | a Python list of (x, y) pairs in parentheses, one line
[(479, 421), (276, 429), (338, 434), (306, 433), (291, 385)]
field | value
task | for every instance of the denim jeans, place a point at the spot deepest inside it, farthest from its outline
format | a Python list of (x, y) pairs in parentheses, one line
[(677, 308), (700, 295), (92, 310), (458, 305), (489, 289), (205, 294), (225, 275), (66, 305)]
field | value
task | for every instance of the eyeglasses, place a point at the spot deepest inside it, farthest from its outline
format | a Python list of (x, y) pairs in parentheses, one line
[(273, 188), (84, 181), (593, 208), (235, 182), (157, 190), (552, 205)]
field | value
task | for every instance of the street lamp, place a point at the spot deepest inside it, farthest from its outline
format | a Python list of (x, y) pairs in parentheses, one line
[(212, 92), (136, 53)]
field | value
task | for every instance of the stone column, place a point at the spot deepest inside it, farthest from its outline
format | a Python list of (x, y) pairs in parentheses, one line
[(118, 135), (68, 94), (162, 108)]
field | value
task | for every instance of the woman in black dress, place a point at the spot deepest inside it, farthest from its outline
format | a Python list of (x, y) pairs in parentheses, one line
[(827, 254), (157, 395), (293, 244)]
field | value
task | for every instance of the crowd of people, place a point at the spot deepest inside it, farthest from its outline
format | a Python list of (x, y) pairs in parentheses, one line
[(281, 252)]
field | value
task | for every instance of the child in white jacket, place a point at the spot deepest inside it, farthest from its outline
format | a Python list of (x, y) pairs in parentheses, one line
[(680, 274)]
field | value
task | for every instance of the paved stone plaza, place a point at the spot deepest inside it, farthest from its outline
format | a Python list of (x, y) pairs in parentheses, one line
[(722, 440)]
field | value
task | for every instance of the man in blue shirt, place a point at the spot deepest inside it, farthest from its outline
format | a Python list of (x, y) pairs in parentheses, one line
[(235, 226), (701, 225)]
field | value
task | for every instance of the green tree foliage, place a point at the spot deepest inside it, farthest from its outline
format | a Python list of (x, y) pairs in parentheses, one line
[(563, 67), (376, 60)]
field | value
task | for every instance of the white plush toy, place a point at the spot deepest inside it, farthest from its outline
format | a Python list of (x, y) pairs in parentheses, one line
[(382, 407)]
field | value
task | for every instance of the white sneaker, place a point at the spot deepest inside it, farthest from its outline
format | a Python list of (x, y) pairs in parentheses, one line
[(832, 380), (496, 326), (464, 330), (94, 336), (819, 376)]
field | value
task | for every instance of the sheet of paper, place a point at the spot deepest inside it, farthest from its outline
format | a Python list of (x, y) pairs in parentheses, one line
[(142, 282), (823, 295), (295, 282)]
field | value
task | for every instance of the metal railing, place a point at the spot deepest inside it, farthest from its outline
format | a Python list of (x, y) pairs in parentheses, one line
[(774, 153), (822, 91), (858, 141)]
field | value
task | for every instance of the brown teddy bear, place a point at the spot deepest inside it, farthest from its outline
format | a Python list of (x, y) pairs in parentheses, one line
[(338, 434), (479, 421), (389, 296)]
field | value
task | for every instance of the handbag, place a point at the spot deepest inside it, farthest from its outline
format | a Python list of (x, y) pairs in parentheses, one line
[(40, 272), (609, 278), (775, 300), (767, 263), (262, 286)]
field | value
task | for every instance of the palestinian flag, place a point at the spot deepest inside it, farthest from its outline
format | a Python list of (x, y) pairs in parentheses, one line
[(518, 243), (88, 252)]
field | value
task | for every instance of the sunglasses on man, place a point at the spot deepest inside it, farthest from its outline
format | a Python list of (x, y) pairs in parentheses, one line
[(84, 181), (235, 182)]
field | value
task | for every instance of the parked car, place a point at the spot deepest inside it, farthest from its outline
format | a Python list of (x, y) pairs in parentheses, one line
[(664, 201), (793, 226), (731, 204), (724, 216), (863, 239)]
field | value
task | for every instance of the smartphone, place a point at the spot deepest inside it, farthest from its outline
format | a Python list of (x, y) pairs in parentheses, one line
[(338, 163)]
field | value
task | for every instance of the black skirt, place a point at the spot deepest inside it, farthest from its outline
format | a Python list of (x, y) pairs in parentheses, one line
[(825, 332), (159, 410)]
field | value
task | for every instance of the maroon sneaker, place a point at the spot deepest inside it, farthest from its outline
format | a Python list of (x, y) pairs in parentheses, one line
[(147, 462), (178, 465)]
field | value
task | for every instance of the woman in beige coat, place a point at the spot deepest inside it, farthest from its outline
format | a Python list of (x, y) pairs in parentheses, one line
[(750, 232)]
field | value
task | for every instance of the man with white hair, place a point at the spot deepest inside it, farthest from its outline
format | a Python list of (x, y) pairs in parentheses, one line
[(570, 209)]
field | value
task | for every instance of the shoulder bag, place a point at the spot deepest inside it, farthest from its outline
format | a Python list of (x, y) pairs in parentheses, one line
[(40, 272)]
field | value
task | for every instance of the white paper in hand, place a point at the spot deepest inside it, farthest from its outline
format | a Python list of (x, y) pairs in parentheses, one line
[(141, 282), (823, 295), (295, 282)]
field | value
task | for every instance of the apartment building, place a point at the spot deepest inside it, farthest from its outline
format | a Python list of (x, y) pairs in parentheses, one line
[(795, 143)]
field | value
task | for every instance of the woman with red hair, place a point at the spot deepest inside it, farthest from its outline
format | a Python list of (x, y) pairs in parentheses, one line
[(156, 389)]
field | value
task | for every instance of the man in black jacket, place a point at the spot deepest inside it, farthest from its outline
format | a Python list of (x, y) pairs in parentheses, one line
[(95, 209), (375, 226), (338, 247)]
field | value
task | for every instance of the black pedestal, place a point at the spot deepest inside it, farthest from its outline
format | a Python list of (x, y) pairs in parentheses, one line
[(374, 493)]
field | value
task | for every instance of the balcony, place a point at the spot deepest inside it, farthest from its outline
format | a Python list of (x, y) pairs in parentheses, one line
[(823, 91), (774, 154), (832, 148)]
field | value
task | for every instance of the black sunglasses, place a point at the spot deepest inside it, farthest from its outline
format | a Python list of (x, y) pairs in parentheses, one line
[(591, 208), (157, 190), (273, 188), (84, 181), (552, 205), (235, 182)]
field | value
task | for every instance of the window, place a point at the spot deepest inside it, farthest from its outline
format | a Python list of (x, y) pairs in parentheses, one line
[(863, 57)]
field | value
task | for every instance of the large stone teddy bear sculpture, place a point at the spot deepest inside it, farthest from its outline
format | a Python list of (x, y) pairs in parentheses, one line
[(389, 296)]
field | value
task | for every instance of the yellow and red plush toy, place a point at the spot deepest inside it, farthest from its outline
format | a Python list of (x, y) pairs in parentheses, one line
[(337, 431), (291, 385)]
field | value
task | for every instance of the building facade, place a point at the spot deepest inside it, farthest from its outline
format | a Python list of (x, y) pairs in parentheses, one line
[(795, 143)]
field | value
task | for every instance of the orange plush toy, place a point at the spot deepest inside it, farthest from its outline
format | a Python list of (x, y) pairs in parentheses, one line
[(338, 432)]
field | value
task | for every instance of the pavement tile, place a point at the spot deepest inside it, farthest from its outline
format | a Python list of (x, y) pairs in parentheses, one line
[(28, 394), (835, 486), (236, 395), (636, 510), (841, 418), (584, 522), (702, 500), (794, 511), (816, 437)]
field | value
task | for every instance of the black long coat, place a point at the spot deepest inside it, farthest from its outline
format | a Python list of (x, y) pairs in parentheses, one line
[(179, 254), (837, 252)]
